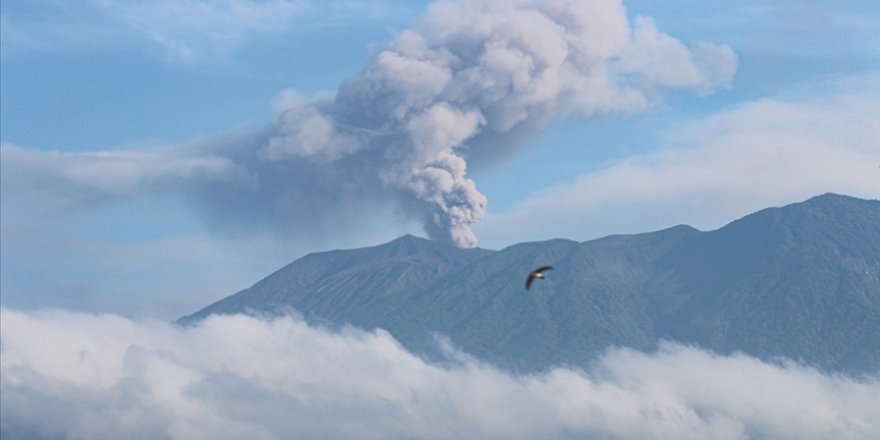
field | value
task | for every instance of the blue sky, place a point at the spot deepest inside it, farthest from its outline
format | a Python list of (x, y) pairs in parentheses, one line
[(133, 133)]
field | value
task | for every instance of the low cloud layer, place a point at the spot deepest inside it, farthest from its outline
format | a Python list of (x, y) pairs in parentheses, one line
[(101, 175), (472, 79), (105, 376)]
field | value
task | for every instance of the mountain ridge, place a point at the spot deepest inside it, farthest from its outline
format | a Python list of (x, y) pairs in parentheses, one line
[(800, 281)]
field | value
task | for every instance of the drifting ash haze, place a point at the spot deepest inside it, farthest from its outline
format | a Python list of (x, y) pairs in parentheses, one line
[(104, 376), (471, 80)]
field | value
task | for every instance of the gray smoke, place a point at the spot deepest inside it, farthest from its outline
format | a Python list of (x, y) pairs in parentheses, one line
[(485, 68), (471, 79)]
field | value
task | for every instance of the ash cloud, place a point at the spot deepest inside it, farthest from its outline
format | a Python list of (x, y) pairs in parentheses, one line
[(471, 79), (482, 69), (105, 376)]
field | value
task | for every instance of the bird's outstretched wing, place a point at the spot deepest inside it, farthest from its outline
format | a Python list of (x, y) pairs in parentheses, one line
[(537, 273)]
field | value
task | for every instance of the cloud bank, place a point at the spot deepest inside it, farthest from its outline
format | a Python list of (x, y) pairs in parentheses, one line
[(104, 376), (471, 79)]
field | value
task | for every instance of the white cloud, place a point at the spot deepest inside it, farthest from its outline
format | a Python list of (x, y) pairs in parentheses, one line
[(104, 376), (762, 153)]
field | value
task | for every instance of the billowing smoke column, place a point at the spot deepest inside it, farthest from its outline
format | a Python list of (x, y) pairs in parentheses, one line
[(473, 79), (484, 68)]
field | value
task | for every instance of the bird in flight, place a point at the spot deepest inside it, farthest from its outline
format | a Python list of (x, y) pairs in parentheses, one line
[(537, 273)]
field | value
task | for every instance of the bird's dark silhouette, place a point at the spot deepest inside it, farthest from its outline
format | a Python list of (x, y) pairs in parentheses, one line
[(537, 273)]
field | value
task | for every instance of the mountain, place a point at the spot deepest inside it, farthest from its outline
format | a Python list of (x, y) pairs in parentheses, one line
[(801, 282)]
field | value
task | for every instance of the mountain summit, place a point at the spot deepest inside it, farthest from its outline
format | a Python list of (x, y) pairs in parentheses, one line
[(800, 282)]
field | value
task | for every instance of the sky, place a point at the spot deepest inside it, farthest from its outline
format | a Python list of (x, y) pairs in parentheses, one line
[(158, 156)]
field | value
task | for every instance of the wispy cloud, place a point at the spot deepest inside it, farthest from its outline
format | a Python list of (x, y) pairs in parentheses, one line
[(184, 31), (104, 376), (110, 174), (187, 29), (759, 154), (812, 29)]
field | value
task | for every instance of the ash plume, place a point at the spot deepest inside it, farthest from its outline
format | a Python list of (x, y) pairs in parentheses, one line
[(484, 69), (472, 79)]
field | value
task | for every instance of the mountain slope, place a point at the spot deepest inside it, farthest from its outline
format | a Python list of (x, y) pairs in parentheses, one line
[(333, 285), (802, 281)]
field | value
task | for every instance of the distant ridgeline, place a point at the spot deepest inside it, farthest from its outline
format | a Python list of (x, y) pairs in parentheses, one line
[(800, 282)]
